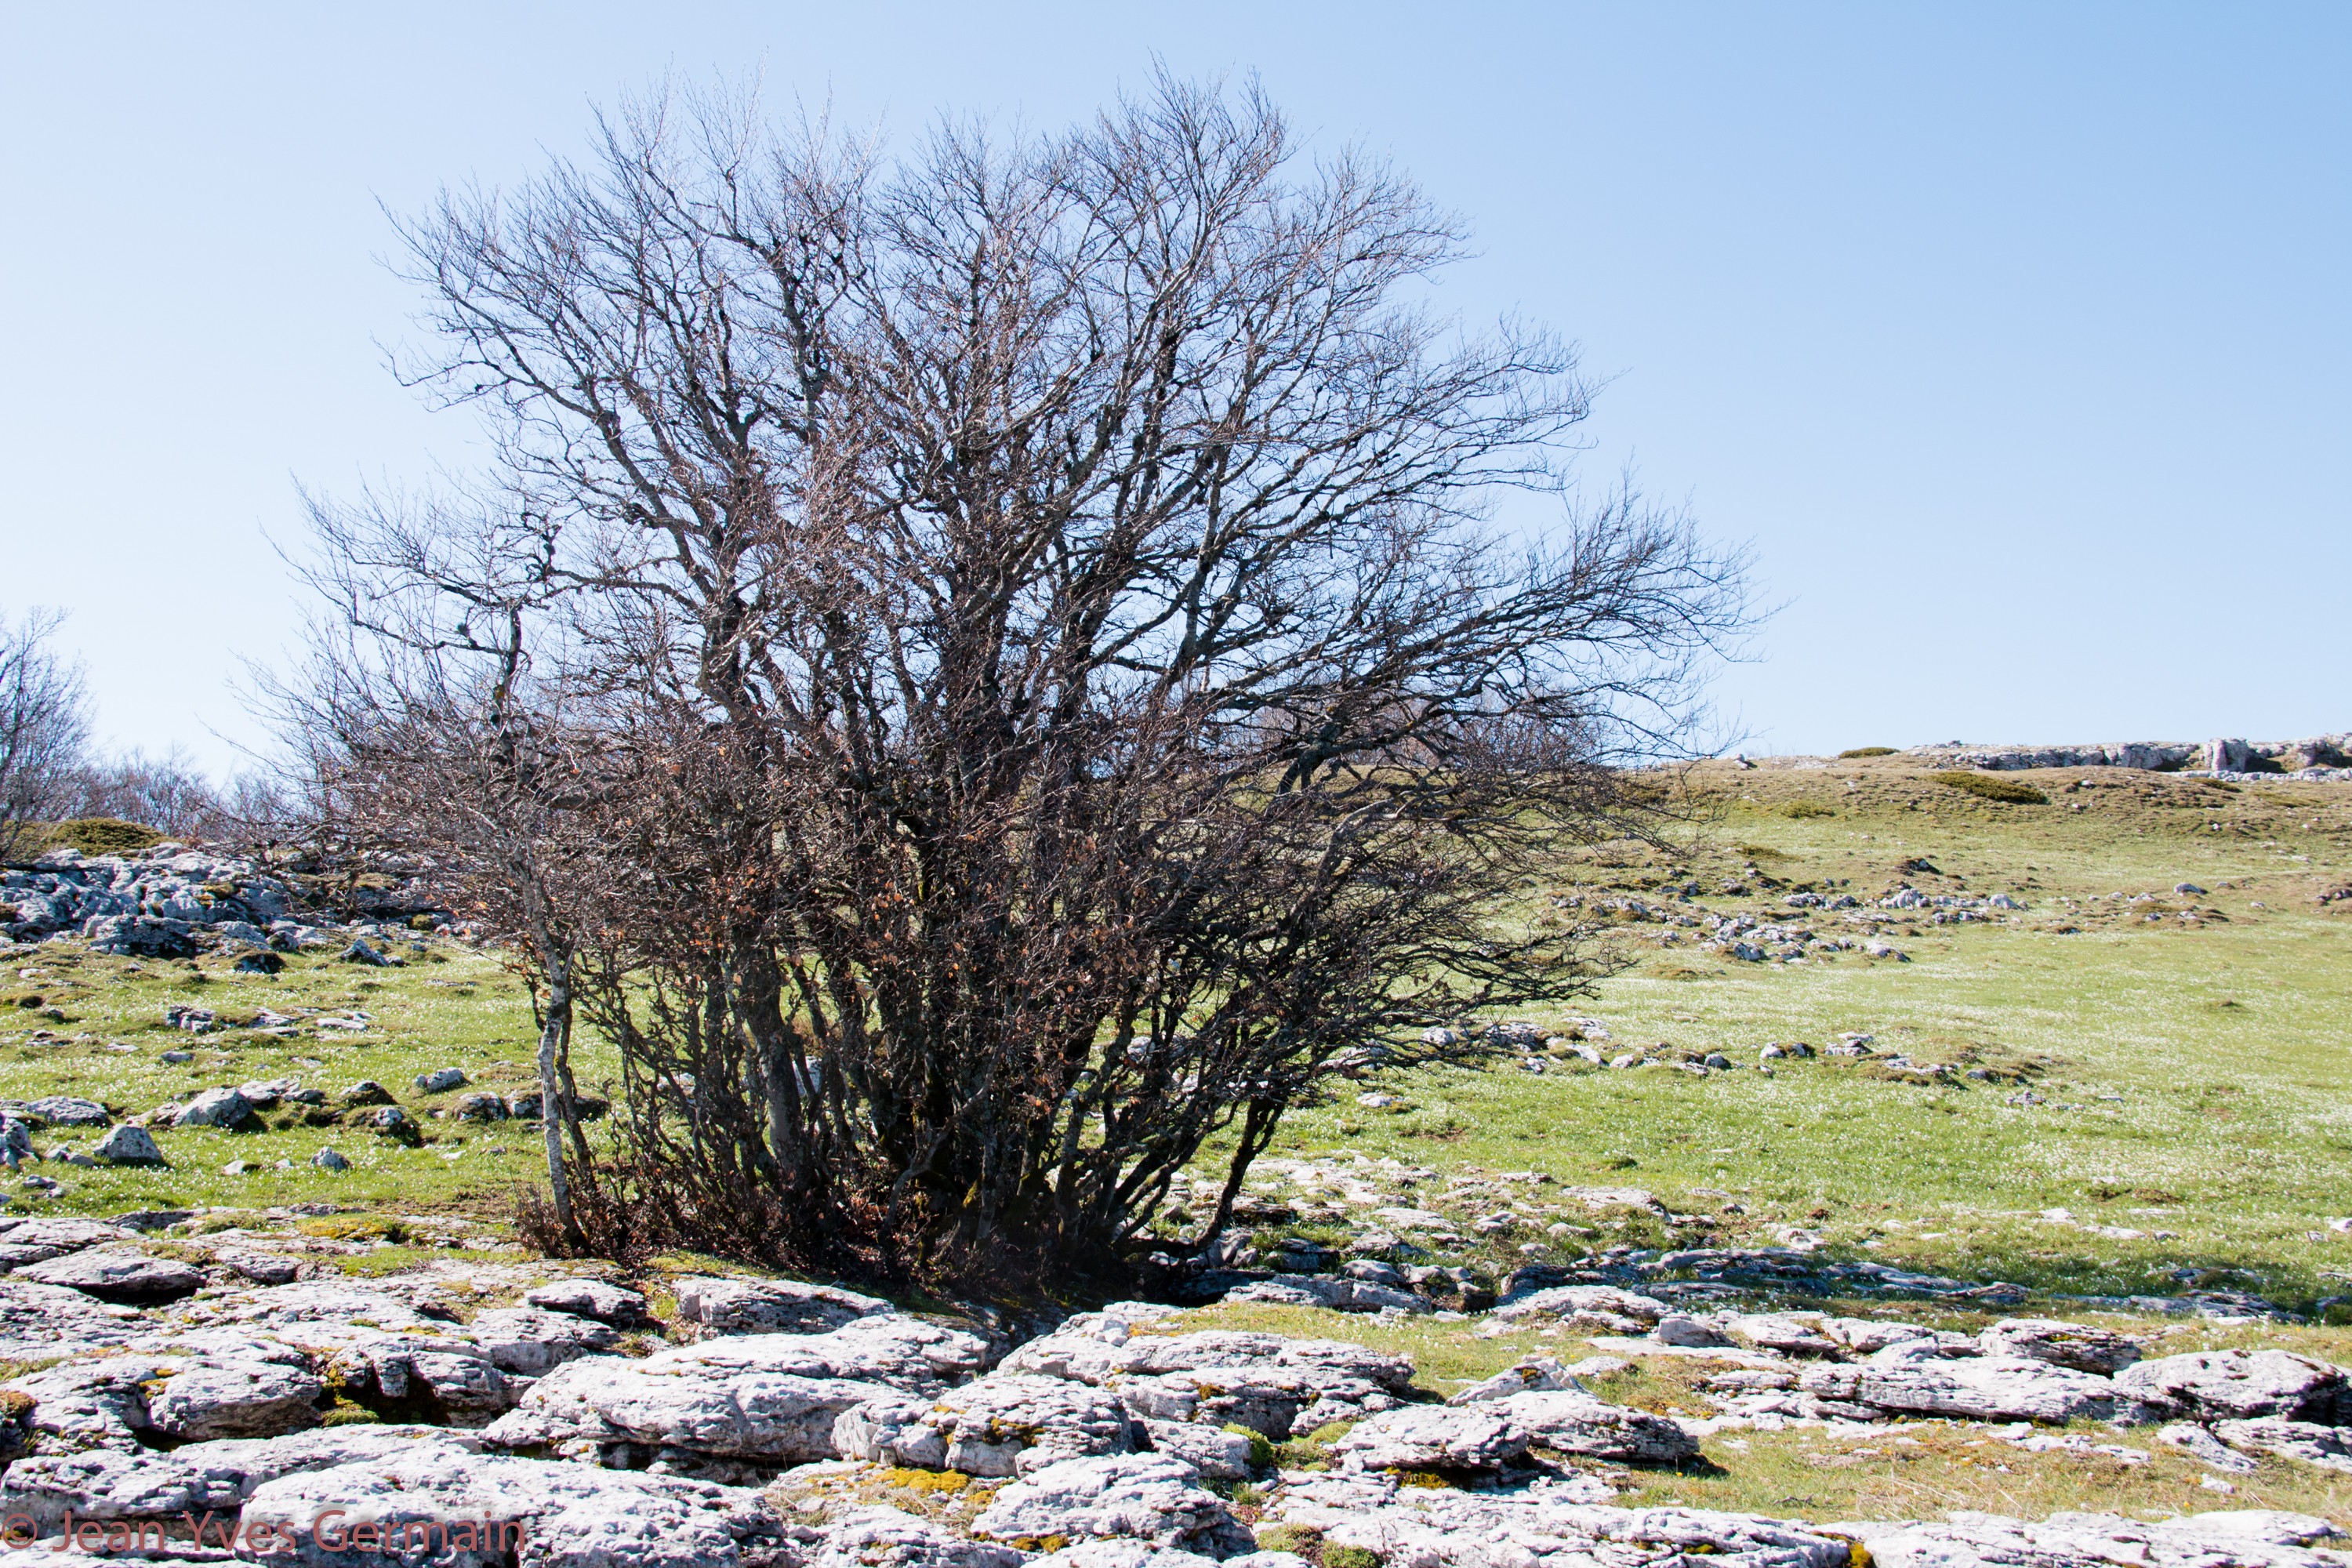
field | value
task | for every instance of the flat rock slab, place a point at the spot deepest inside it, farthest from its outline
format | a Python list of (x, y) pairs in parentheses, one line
[(891, 1538), (236, 1399), (1571, 1421), (479, 1511), (1149, 1497), (1433, 1437), (2234, 1386), (771, 1306), (2248, 1539), (2329, 1448), (614, 1304), (1985, 1388), (121, 1277), (2077, 1345)]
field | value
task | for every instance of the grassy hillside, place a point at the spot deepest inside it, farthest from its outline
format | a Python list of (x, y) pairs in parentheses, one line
[(2185, 1055)]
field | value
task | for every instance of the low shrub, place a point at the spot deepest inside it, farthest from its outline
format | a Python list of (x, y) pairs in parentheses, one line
[(102, 835), (1865, 751), (1799, 810), (1992, 786)]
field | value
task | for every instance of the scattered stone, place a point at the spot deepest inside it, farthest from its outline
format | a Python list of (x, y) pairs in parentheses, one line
[(63, 1110), (2205, 1448), (360, 952), (440, 1080), (328, 1160), (222, 1108)]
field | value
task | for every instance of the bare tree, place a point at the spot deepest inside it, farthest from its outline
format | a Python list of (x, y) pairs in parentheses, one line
[(1058, 689), (44, 727), (168, 793), (424, 727)]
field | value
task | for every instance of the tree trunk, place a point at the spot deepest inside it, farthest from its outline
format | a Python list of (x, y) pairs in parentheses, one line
[(554, 1103)]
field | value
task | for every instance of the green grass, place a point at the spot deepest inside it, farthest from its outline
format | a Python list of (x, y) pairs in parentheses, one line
[(2206, 1062), (453, 1007), (1992, 786)]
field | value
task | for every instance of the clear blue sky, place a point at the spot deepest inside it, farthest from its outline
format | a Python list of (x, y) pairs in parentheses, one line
[(2015, 338)]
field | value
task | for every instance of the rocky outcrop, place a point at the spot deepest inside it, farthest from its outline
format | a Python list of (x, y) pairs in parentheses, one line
[(1153, 1498)]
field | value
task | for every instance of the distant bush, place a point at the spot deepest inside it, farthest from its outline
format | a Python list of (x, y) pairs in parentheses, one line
[(101, 836), (1798, 810), (1866, 751), (1992, 786)]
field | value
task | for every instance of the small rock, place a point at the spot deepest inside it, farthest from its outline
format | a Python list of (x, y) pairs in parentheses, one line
[(480, 1108), (239, 1168), (440, 1080), (391, 1122), (367, 1092), (328, 1160), (222, 1108), (130, 1146), (360, 952), (2205, 1448), (175, 1058)]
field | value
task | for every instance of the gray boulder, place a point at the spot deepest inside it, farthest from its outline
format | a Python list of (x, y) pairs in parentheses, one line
[(37, 1240), (478, 1511), (1600, 1306), (67, 1110), (329, 1160), (1913, 1378), (1273, 1401), (2231, 1385), (222, 1108), (891, 1538), (765, 1418), (235, 1399), (2329, 1448), (1337, 1294), (234, 1467), (2205, 1448), (1149, 1497), (614, 1304), (2077, 1345), (1219, 1455), (118, 1275), (1008, 1423), (108, 1484), (127, 1145), (440, 1080), (1537, 1374), (1435, 1437), (530, 1343), (770, 1305), (1570, 1421), (85, 1405)]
